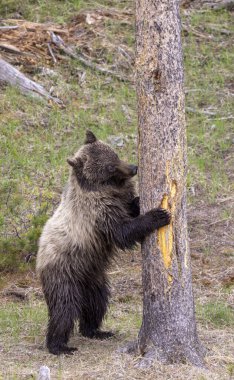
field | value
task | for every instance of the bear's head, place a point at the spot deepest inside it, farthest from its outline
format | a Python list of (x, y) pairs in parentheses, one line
[(97, 164)]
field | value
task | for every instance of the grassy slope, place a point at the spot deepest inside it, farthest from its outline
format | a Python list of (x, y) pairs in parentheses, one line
[(209, 82), (35, 141)]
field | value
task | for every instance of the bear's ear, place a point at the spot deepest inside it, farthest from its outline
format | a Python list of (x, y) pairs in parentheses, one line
[(71, 162), (75, 163), (90, 138)]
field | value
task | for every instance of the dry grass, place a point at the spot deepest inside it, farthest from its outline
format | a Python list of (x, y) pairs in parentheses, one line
[(23, 351)]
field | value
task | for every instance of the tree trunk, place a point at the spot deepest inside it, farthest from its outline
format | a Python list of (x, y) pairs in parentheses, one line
[(168, 330)]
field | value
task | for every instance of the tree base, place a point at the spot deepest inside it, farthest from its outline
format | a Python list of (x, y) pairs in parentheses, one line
[(183, 355), (129, 348), (173, 355)]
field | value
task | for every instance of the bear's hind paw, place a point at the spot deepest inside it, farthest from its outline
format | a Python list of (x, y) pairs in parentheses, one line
[(59, 350), (102, 335), (97, 334)]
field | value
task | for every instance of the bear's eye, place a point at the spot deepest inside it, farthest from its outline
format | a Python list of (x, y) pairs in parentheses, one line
[(111, 168)]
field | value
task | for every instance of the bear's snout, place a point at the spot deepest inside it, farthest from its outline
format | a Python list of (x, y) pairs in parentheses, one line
[(133, 169)]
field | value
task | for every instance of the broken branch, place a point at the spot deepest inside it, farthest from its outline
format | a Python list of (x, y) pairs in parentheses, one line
[(58, 41), (51, 53)]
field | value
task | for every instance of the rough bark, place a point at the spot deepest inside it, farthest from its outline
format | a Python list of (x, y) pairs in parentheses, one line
[(168, 330), (12, 76)]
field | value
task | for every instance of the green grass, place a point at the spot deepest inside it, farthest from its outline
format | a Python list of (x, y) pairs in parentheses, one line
[(208, 71), (57, 10), (218, 314), (22, 319), (41, 10), (37, 138), (28, 320), (125, 320), (230, 368)]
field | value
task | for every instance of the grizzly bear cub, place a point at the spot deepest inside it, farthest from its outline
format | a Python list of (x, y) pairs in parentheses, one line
[(98, 214)]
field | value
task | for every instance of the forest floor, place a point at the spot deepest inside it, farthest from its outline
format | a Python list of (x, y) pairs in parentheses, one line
[(36, 138)]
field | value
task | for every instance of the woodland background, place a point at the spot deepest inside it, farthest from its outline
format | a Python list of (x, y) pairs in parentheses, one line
[(91, 72)]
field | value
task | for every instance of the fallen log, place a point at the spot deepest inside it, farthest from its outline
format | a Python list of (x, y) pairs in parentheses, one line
[(10, 75)]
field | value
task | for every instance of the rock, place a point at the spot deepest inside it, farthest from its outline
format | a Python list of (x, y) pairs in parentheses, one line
[(44, 373), (45, 71), (126, 112), (116, 141)]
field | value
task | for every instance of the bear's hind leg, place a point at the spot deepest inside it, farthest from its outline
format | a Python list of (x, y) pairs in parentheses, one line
[(60, 327), (63, 308), (94, 307)]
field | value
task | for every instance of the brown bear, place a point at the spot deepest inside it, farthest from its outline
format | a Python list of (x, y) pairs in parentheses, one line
[(98, 215)]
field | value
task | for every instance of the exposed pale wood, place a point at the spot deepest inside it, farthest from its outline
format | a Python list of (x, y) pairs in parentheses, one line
[(168, 330), (12, 76)]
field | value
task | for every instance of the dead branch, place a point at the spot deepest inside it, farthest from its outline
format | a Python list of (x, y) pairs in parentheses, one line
[(51, 53), (58, 41), (224, 4), (186, 29), (227, 277), (216, 28), (6, 28), (21, 293), (219, 221), (10, 48), (101, 69), (199, 111), (12, 76), (213, 4), (33, 26)]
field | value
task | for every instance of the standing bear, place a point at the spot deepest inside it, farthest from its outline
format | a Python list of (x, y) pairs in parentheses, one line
[(98, 215)]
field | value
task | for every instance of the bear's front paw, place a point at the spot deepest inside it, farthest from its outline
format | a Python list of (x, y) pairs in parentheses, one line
[(136, 202), (160, 216), (135, 207)]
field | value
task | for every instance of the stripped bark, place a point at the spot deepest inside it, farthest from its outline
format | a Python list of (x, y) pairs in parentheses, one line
[(12, 76), (168, 330)]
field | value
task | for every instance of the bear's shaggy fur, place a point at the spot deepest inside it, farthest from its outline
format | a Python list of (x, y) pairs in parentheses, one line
[(98, 215)]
